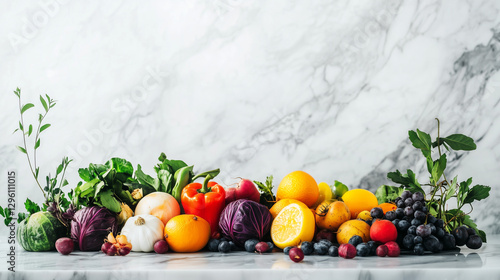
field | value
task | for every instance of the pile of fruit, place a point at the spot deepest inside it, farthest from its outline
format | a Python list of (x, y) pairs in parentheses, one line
[(117, 209)]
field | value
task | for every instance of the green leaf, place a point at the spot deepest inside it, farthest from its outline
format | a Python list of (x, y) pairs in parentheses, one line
[(37, 170), (422, 141), (87, 188), (144, 178), (59, 169), (44, 127), (98, 187), (478, 192), (31, 207), (459, 142), (37, 144), (21, 217), (85, 174), (44, 104), (121, 166), (166, 179), (17, 92), (387, 193), (65, 183), (452, 189), (16, 130), (21, 149), (109, 201), (21, 127), (438, 168), (30, 130), (340, 189), (463, 190), (26, 107)]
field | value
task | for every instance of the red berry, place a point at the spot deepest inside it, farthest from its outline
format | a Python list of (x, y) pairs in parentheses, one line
[(261, 247), (106, 246), (296, 254), (161, 246), (392, 249), (382, 251), (347, 251), (123, 251)]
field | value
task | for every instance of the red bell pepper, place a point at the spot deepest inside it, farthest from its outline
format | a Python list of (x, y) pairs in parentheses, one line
[(205, 200)]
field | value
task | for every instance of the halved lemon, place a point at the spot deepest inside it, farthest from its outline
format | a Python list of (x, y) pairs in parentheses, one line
[(295, 223)]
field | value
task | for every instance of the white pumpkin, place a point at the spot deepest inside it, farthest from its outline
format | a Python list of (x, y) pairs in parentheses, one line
[(142, 231)]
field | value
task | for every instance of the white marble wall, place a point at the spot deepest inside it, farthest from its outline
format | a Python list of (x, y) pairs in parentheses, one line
[(255, 87)]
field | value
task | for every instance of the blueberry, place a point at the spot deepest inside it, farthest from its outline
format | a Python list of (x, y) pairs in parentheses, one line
[(449, 241), (400, 213), (234, 247), (423, 230), (418, 240), (440, 233), (250, 245), (408, 202), (474, 242), (433, 228), (418, 249), (400, 204), (271, 247), (419, 214), (412, 230), (355, 240), (417, 205), (377, 213), (362, 250), (307, 247), (373, 247), (418, 196), (396, 222), (431, 219), (390, 215), (327, 242), (224, 247), (223, 239), (213, 245), (368, 222), (439, 223), (333, 251), (416, 222), (403, 226), (320, 248), (409, 212), (287, 249), (409, 241), (431, 243), (406, 194)]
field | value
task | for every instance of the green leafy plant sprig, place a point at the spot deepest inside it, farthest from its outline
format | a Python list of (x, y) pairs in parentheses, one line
[(442, 189), (55, 199)]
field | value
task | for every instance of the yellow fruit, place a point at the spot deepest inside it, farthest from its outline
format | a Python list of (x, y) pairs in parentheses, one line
[(364, 215), (187, 233), (325, 194), (300, 186), (330, 215), (278, 206), (351, 228), (359, 200), (294, 224)]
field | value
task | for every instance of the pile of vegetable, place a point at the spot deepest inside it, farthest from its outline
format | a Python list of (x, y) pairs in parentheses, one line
[(118, 209)]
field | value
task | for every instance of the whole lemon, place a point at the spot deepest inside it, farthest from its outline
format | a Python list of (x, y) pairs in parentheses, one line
[(299, 185)]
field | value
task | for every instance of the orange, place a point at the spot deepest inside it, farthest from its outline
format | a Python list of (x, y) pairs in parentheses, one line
[(187, 233), (359, 200), (300, 186), (386, 207), (278, 206), (351, 228), (294, 224)]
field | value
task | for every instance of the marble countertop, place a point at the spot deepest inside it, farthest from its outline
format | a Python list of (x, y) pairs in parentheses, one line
[(466, 264)]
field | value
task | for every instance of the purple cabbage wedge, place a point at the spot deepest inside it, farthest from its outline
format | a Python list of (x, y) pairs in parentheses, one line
[(245, 219), (91, 225)]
